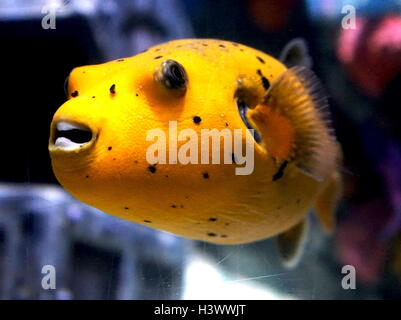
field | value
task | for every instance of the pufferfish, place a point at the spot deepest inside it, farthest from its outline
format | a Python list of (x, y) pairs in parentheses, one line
[(98, 143)]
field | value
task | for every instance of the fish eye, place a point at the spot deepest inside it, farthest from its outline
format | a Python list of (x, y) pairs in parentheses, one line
[(172, 75), (66, 85)]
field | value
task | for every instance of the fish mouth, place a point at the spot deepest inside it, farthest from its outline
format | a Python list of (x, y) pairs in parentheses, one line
[(70, 136)]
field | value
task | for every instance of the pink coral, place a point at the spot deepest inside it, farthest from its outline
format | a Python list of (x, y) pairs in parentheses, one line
[(371, 53)]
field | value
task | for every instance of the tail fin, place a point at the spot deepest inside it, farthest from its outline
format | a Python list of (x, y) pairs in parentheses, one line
[(327, 201)]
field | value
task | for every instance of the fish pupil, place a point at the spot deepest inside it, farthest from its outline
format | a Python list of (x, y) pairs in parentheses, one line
[(174, 75), (177, 73)]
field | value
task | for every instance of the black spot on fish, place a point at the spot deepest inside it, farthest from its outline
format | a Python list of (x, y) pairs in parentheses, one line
[(119, 60), (280, 172), (166, 175), (222, 46), (109, 148), (126, 208), (266, 83), (173, 206), (211, 234), (152, 169), (114, 158), (93, 97), (113, 89), (226, 124), (205, 175), (158, 57), (212, 219), (137, 94), (197, 119), (136, 161), (260, 59), (74, 94), (224, 236), (86, 177), (241, 49), (259, 72), (204, 44), (147, 221)]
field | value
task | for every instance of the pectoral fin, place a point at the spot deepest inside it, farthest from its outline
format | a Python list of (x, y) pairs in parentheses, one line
[(291, 243), (294, 124)]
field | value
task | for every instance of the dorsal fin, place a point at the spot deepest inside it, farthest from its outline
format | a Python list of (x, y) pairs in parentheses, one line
[(295, 53), (294, 123)]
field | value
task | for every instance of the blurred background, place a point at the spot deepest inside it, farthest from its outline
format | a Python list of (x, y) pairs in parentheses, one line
[(97, 256)]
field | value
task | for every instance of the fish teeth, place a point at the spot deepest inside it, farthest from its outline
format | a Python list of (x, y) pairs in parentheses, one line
[(65, 126), (66, 144)]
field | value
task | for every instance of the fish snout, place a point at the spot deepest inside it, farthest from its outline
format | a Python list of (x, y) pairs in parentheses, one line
[(70, 136)]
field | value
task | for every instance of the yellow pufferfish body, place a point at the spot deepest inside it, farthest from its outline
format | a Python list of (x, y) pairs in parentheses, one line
[(201, 84)]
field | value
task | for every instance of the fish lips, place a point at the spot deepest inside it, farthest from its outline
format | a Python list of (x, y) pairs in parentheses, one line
[(71, 137)]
